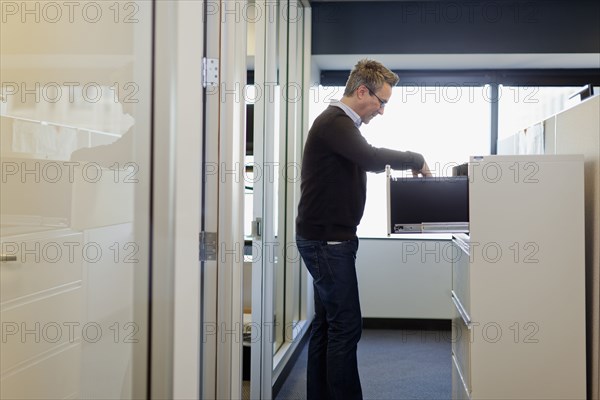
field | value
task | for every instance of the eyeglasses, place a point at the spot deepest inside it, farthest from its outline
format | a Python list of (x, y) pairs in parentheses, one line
[(382, 103)]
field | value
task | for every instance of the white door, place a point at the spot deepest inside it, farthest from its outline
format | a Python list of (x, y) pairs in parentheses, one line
[(282, 55), (75, 134)]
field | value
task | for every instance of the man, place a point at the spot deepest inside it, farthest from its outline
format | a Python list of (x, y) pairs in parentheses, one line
[(333, 194)]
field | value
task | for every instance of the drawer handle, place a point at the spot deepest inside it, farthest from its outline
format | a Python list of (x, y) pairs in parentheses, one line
[(463, 314), (6, 257)]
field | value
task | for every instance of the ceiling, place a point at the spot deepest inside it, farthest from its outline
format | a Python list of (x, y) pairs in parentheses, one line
[(350, 1), (553, 42), (366, 1)]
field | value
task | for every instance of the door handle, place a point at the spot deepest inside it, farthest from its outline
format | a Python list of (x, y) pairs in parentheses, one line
[(6, 257), (257, 228)]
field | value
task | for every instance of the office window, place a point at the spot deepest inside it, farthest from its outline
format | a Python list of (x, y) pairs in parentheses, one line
[(447, 124)]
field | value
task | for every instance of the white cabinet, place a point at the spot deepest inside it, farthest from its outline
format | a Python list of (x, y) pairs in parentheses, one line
[(518, 288), (66, 312), (41, 297), (405, 278)]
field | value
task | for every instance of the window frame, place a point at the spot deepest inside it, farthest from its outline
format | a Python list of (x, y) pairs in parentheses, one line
[(494, 78)]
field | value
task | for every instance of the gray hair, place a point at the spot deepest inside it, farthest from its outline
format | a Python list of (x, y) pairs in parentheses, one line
[(370, 73)]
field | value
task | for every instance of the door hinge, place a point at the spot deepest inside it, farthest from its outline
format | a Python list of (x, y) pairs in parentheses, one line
[(210, 72), (257, 228), (208, 246)]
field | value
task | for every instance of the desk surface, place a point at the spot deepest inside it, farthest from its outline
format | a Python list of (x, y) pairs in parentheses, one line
[(411, 236)]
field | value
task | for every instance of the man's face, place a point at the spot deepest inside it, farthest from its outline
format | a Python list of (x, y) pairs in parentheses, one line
[(374, 102)]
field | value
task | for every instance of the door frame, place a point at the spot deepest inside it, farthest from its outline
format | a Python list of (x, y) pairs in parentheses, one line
[(175, 279), (230, 202), (265, 74)]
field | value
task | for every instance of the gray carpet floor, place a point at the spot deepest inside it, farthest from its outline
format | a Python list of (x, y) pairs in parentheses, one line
[(393, 364)]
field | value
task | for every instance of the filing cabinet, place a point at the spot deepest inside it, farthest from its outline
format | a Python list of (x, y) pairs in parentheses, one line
[(518, 281)]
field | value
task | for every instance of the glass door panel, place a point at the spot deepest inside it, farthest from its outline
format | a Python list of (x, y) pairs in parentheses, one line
[(75, 147)]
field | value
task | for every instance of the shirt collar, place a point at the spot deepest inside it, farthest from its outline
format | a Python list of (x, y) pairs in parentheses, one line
[(349, 111)]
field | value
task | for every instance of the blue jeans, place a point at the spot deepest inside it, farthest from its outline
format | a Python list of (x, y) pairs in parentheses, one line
[(332, 370)]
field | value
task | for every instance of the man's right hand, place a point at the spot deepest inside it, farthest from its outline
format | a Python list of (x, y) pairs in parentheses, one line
[(425, 172)]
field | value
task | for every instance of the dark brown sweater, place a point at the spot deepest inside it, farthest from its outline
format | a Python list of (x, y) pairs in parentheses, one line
[(334, 180)]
